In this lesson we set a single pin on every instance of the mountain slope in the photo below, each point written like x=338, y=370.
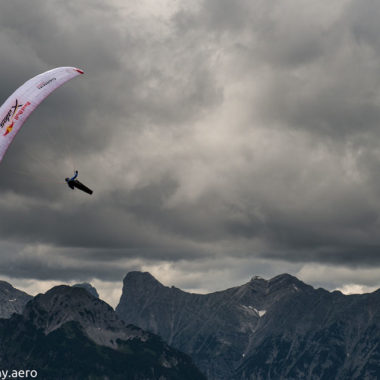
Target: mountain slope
x=68, y=333
x=265, y=329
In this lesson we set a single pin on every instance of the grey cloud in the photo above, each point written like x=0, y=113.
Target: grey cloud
x=52, y=266
x=229, y=134
x=309, y=64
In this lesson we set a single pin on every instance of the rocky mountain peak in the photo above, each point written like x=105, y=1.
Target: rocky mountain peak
x=11, y=300
x=4, y=286
x=257, y=278
x=262, y=292
x=141, y=280
x=88, y=287
x=63, y=304
x=69, y=333
x=287, y=282
x=284, y=278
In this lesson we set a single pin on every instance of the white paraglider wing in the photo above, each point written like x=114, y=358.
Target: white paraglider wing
x=26, y=99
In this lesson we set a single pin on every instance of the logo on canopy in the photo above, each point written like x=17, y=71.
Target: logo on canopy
x=12, y=116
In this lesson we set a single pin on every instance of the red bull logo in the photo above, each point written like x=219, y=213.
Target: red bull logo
x=9, y=129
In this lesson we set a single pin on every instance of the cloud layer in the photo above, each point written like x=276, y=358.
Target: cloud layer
x=221, y=141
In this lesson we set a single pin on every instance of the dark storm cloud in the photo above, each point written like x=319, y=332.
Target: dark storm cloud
x=321, y=63
x=47, y=263
x=212, y=134
x=320, y=75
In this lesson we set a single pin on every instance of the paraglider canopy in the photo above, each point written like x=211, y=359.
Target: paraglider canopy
x=18, y=107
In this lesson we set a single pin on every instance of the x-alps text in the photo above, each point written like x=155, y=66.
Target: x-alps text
x=9, y=116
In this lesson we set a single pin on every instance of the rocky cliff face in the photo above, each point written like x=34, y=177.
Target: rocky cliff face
x=265, y=329
x=68, y=333
x=11, y=300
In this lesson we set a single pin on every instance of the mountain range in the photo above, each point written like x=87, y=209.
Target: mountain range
x=280, y=328
x=69, y=334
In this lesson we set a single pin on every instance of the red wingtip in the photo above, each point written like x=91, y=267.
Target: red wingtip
x=80, y=71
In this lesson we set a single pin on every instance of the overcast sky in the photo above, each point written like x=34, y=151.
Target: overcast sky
x=223, y=139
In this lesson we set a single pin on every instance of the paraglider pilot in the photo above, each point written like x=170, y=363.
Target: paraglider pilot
x=74, y=183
